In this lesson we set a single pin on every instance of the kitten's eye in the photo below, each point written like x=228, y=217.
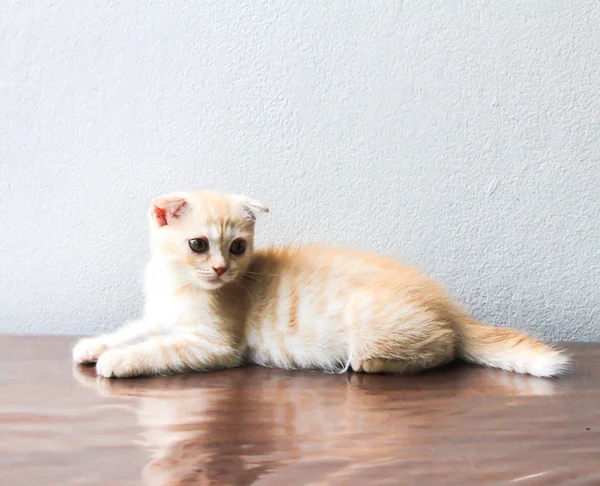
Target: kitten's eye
x=198, y=245
x=238, y=247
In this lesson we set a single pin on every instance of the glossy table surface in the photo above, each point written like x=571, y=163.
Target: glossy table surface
x=60, y=425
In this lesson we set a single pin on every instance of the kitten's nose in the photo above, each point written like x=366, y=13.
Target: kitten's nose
x=219, y=270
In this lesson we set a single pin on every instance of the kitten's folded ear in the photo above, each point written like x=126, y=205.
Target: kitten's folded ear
x=251, y=207
x=168, y=208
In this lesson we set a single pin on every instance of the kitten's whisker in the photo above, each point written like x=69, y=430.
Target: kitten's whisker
x=263, y=274
x=252, y=277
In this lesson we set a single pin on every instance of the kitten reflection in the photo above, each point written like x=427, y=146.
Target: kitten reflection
x=265, y=426
x=254, y=425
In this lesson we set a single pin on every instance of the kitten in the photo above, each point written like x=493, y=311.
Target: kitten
x=213, y=302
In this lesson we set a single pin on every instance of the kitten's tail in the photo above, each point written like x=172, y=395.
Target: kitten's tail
x=508, y=350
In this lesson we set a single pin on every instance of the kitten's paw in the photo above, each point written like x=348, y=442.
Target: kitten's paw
x=89, y=350
x=117, y=363
x=357, y=365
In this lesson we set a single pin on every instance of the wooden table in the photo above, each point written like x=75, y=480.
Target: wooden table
x=60, y=425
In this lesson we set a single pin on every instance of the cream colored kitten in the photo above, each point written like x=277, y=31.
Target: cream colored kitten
x=213, y=302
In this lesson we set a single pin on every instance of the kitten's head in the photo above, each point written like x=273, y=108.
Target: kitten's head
x=205, y=237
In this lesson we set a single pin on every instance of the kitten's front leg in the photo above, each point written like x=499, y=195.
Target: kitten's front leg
x=166, y=355
x=88, y=350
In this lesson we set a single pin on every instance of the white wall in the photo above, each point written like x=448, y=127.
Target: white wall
x=459, y=136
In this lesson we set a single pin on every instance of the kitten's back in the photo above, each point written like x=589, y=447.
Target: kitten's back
x=321, y=306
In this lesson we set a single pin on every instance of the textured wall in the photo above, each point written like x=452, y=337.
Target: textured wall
x=463, y=138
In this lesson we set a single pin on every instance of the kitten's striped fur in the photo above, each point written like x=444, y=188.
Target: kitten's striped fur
x=307, y=307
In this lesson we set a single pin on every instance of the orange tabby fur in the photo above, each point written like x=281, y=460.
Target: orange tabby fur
x=307, y=307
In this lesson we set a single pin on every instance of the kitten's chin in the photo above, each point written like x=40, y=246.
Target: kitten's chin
x=213, y=284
